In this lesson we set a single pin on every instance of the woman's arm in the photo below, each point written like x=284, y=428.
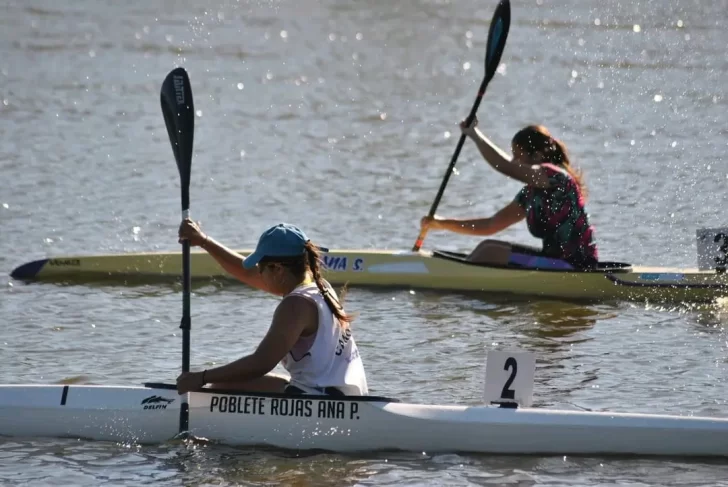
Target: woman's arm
x=504, y=218
x=294, y=316
x=229, y=260
x=232, y=263
x=524, y=171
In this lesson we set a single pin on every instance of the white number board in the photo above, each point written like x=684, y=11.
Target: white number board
x=509, y=377
x=712, y=248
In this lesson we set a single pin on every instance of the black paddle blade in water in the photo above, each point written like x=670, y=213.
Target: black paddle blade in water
x=497, y=35
x=179, y=116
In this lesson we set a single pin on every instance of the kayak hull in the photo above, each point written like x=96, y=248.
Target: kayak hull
x=412, y=270
x=150, y=415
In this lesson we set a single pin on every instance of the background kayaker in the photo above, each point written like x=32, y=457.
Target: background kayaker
x=310, y=334
x=553, y=203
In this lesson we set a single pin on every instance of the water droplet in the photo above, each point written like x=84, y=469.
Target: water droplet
x=359, y=36
x=284, y=34
x=332, y=37
x=468, y=35
x=597, y=22
x=241, y=86
x=636, y=28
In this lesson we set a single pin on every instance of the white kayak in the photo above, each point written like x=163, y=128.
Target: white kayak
x=150, y=414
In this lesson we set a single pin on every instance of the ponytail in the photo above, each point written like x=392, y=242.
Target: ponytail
x=313, y=258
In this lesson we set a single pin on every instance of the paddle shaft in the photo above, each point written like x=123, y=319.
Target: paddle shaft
x=497, y=35
x=179, y=117
x=186, y=323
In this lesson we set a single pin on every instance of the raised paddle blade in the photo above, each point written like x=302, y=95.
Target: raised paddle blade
x=179, y=115
x=497, y=35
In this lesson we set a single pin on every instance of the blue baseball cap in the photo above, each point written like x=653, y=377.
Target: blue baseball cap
x=282, y=240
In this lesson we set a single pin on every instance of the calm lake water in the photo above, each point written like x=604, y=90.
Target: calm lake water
x=341, y=117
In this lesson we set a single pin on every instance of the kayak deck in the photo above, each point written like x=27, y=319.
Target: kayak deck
x=150, y=414
x=438, y=270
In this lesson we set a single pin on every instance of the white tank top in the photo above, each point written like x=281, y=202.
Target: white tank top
x=333, y=359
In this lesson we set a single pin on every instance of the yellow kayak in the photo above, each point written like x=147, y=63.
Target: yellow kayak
x=439, y=270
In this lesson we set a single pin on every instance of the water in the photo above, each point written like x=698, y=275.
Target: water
x=341, y=117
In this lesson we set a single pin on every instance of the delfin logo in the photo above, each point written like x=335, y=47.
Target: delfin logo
x=156, y=402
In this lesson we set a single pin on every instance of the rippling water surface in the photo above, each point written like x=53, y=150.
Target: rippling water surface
x=341, y=117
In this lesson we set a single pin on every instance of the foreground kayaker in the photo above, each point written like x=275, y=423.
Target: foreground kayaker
x=553, y=203
x=310, y=334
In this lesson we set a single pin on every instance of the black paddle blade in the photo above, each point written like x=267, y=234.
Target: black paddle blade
x=179, y=116
x=497, y=34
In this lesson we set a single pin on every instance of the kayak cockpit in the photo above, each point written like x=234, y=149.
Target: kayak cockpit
x=234, y=392
x=606, y=267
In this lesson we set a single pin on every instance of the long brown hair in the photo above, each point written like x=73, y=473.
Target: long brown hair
x=537, y=138
x=311, y=261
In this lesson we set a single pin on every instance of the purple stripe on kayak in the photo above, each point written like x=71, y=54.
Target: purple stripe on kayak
x=28, y=270
x=538, y=262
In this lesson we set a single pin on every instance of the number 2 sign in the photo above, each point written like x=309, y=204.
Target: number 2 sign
x=509, y=377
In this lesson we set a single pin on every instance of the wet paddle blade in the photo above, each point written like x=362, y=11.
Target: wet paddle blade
x=179, y=116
